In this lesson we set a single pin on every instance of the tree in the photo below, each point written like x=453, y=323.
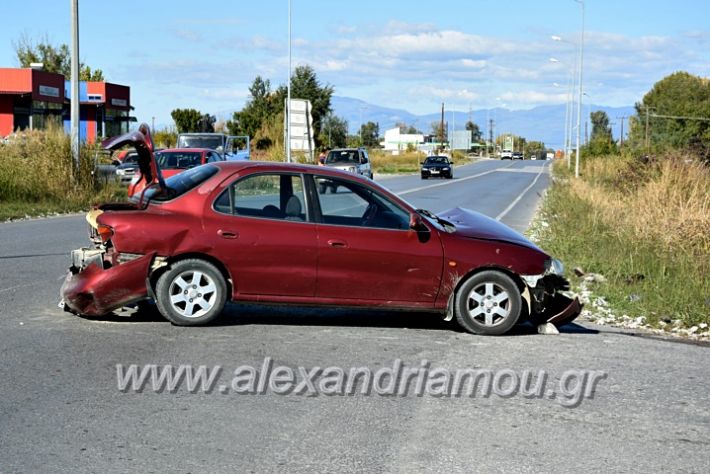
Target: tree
x=55, y=59
x=600, y=125
x=334, y=132
x=476, y=135
x=678, y=97
x=600, y=142
x=187, y=120
x=370, y=133
x=536, y=147
x=439, y=133
x=258, y=109
x=206, y=123
x=305, y=85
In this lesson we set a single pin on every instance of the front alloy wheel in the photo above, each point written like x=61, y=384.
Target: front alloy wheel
x=191, y=292
x=488, y=303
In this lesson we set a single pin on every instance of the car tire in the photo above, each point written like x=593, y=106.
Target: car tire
x=425, y=177
x=488, y=303
x=191, y=292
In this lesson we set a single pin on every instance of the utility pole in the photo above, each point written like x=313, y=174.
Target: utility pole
x=581, y=90
x=621, y=134
x=441, y=128
x=74, y=115
x=646, y=138
x=288, y=99
x=490, y=135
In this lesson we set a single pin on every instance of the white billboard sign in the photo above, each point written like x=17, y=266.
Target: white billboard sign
x=301, y=125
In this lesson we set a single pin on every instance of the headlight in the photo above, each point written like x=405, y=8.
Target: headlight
x=554, y=267
x=120, y=172
x=445, y=169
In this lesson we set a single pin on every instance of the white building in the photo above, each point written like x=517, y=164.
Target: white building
x=396, y=141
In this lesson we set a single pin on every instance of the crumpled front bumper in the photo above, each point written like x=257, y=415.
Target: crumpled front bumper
x=562, y=310
x=93, y=287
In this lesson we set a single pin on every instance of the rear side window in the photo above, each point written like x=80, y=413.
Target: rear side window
x=179, y=184
x=266, y=196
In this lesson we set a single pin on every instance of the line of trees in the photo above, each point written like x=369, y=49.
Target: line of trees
x=55, y=59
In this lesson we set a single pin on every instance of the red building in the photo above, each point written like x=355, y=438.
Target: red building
x=30, y=99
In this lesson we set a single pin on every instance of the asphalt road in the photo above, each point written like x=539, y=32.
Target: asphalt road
x=61, y=409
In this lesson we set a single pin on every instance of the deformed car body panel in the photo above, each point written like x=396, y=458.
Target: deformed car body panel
x=95, y=291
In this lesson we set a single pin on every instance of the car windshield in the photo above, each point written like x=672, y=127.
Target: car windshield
x=342, y=156
x=213, y=142
x=178, y=184
x=178, y=159
x=437, y=160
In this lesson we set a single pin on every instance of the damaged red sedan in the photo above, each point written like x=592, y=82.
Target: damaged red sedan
x=261, y=232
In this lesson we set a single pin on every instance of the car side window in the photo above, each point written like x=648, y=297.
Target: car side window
x=265, y=196
x=351, y=204
x=364, y=159
x=213, y=157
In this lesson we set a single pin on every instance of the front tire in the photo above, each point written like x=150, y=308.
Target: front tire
x=488, y=303
x=192, y=292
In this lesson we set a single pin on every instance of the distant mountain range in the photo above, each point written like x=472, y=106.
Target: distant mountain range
x=545, y=123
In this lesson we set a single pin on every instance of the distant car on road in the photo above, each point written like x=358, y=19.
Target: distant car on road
x=354, y=160
x=259, y=232
x=533, y=156
x=506, y=155
x=517, y=155
x=437, y=167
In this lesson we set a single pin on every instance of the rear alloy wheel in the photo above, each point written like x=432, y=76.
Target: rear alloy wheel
x=191, y=292
x=488, y=303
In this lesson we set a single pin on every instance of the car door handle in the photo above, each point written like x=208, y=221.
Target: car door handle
x=227, y=234
x=337, y=243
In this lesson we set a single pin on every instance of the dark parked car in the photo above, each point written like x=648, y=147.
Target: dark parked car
x=437, y=167
x=260, y=232
x=517, y=155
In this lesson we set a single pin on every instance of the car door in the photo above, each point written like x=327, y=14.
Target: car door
x=366, y=250
x=266, y=239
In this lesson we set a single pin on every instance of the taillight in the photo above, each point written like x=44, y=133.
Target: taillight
x=105, y=232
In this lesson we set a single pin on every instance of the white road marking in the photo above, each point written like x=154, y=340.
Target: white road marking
x=520, y=196
x=452, y=181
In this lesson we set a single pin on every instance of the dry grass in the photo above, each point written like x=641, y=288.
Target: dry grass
x=668, y=202
x=645, y=226
x=37, y=176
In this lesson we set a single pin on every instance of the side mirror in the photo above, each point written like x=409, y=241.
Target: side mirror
x=416, y=223
x=421, y=162
x=116, y=163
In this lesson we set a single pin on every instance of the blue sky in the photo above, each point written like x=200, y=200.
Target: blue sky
x=411, y=55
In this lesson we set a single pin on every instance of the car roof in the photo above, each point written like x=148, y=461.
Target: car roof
x=185, y=149
x=276, y=166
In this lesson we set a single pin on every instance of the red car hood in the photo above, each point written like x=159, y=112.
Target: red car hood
x=475, y=225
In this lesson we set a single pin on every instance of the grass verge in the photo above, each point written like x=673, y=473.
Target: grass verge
x=643, y=226
x=38, y=177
